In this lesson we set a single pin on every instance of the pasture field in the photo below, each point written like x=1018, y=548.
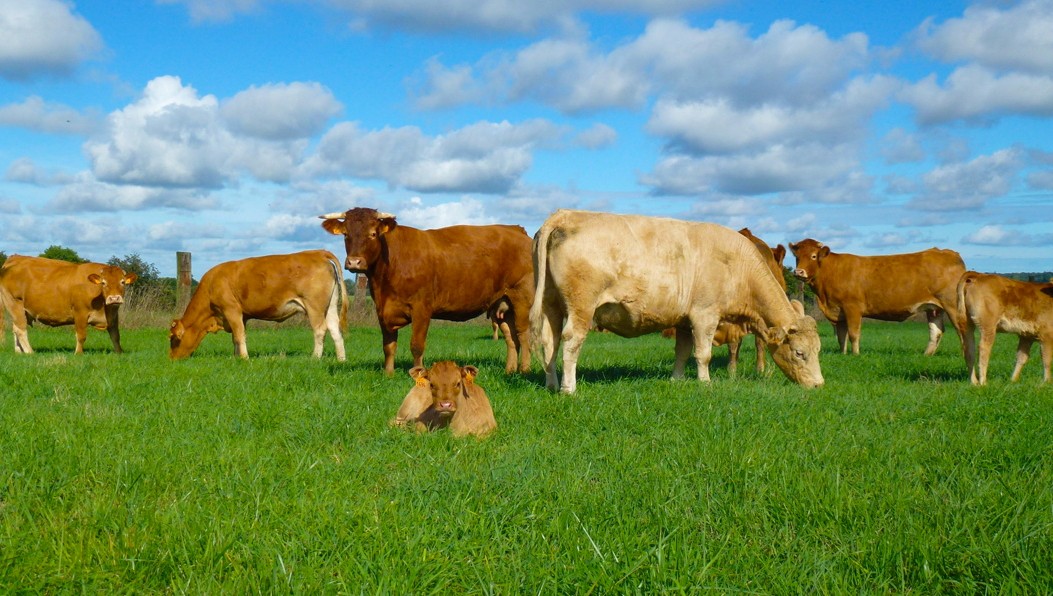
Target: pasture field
x=280, y=474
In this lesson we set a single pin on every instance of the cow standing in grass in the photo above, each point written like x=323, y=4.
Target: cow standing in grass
x=995, y=303
x=455, y=274
x=59, y=293
x=887, y=287
x=635, y=275
x=268, y=288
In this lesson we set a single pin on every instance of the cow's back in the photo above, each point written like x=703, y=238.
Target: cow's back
x=48, y=289
x=1013, y=306
x=457, y=270
x=890, y=287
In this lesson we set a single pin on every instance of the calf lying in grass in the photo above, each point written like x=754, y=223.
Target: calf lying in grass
x=446, y=395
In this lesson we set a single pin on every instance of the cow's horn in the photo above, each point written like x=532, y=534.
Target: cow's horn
x=331, y=216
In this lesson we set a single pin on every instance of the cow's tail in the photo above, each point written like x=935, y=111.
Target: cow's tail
x=967, y=278
x=338, y=277
x=540, y=256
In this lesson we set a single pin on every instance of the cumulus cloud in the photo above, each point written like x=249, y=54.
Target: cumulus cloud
x=900, y=146
x=467, y=211
x=968, y=185
x=38, y=115
x=483, y=157
x=598, y=136
x=1014, y=38
x=995, y=235
x=88, y=194
x=975, y=92
x=280, y=111
x=29, y=46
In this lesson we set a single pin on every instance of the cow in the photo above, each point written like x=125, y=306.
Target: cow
x=268, y=288
x=636, y=274
x=447, y=395
x=455, y=274
x=887, y=287
x=58, y=293
x=995, y=303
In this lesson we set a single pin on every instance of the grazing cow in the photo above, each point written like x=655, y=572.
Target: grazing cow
x=60, y=293
x=887, y=288
x=269, y=288
x=447, y=395
x=635, y=275
x=995, y=303
x=455, y=273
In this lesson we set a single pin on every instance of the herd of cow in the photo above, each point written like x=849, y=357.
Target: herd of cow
x=626, y=274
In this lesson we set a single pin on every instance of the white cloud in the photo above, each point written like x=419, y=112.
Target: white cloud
x=36, y=114
x=483, y=157
x=901, y=146
x=280, y=111
x=467, y=211
x=968, y=185
x=994, y=235
x=973, y=92
x=43, y=37
x=1017, y=38
x=86, y=193
x=598, y=136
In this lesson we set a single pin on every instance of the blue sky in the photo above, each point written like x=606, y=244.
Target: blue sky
x=224, y=127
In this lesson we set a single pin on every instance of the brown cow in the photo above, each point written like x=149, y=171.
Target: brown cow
x=455, y=273
x=995, y=303
x=60, y=293
x=447, y=395
x=269, y=288
x=888, y=288
x=634, y=275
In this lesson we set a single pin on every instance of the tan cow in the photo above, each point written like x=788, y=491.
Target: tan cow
x=635, y=274
x=995, y=303
x=58, y=293
x=888, y=288
x=447, y=395
x=269, y=288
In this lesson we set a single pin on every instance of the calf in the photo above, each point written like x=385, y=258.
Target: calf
x=59, y=293
x=995, y=303
x=446, y=395
x=269, y=288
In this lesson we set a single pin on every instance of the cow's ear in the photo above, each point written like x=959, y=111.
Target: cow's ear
x=129, y=279
x=1048, y=289
x=469, y=373
x=797, y=307
x=823, y=251
x=779, y=252
x=334, y=226
x=176, y=330
x=776, y=336
x=385, y=223
x=95, y=278
x=794, y=247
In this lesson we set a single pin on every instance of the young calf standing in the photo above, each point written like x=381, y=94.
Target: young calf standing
x=995, y=303
x=446, y=395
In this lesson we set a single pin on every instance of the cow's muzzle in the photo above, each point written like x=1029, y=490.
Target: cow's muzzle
x=115, y=300
x=800, y=274
x=355, y=264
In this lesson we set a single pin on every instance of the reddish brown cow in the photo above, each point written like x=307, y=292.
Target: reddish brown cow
x=60, y=293
x=447, y=395
x=269, y=288
x=455, y=273
x=995, y=303
x=888, y=288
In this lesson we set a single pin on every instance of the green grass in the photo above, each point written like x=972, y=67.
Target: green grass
x=132, y=473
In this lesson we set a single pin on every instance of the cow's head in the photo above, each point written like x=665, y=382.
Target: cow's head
x=184, y=339
x=810, y=254
x=112, y=281
x=795, y=348
x=448, y=383
x=362, y=229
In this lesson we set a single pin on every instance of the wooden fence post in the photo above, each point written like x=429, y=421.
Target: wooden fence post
x=183, y=278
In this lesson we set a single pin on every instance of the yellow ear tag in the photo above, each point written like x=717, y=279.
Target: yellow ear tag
x=421, y=382
x=469, y=377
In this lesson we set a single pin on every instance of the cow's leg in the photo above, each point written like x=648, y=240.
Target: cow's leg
x=841, y=330
x=237, y=333
x=419, y=338
x=574, y=332
x=987, y=338
x=80, y=328
x=551, y=320
x=113, y=326
x=1023, y=352
x=703, y=327
x=760, y=353
x=521, y=335
x=1046, y=345
x=19, y=325
x=390, y=339
x=684, y=343
x=854, y=322
x=734, y=346
x=935, y=319
x=332, y=323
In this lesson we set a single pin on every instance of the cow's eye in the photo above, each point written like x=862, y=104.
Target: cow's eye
x=813, y=257
x=800, y=354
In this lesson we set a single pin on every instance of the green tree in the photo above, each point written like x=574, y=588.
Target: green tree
x=63, y=254
x=133, y=263
x=3, y=258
